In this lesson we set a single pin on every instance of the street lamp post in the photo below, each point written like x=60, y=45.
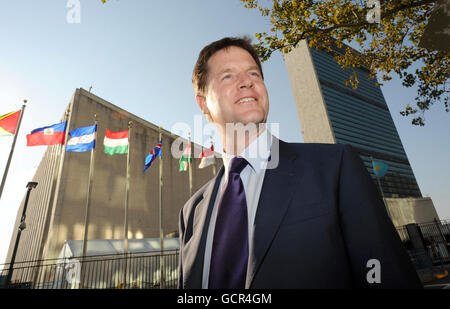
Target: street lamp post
x=31, y=185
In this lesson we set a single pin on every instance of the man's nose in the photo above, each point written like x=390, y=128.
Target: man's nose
x=245, y=81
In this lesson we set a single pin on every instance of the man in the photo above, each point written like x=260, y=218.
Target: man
x=312, y=219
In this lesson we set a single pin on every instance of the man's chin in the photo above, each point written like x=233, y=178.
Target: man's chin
x=256, y=118
x=246, y=127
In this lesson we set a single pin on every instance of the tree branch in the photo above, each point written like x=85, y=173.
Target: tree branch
x=352, y=25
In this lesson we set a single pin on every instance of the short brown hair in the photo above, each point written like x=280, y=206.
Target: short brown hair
x=200, y=74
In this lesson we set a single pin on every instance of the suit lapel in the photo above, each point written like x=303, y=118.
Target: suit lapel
x=276, y=193
x=194, y=252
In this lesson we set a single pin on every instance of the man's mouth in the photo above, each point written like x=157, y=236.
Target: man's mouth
x=245, y=100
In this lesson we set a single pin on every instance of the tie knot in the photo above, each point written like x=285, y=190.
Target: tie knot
x=237, y=165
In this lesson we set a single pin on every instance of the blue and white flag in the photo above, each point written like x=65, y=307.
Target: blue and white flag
x=82, y=139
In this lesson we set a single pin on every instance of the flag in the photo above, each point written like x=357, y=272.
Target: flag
x=207, y=157
x=82, y=139
x=51, y=135
x=155, y=152
x=185, y=158
x=116, y=142
x=379, y=168
x=8, y=123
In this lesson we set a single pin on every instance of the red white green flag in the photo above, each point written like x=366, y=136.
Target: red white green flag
x=116, y=142
x=207, y=157
x=185, y=158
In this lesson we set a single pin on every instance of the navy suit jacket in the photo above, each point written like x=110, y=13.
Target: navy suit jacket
x=319, y=221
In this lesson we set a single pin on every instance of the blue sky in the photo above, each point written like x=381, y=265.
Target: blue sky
x=139, y=55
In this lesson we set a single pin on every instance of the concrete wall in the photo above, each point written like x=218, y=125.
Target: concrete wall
x=411, y=210
x=58, y=214
x=39, y=207
x=311, y=108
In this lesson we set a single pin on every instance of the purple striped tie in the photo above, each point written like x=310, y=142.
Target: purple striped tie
x=229, y=255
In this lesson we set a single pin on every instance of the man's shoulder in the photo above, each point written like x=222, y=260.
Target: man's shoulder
x=316, y=149
x=318, y=156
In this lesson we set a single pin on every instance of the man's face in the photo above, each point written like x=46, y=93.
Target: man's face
x=235, y=92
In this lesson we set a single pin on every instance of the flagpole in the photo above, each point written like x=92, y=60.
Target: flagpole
x=12, y=148
x=58, y=167
x=161, y=233
x=127, y=189
x=189, y=166
x=381, y=190
x=88, y=201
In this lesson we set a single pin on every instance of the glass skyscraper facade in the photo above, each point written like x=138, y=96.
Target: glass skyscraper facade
x=362, y=119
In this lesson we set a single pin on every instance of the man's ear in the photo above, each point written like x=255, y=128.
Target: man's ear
x=201, y=102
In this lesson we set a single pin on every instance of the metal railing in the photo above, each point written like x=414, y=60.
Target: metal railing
x=154, y=271
x=436, y=241
x=131, y=271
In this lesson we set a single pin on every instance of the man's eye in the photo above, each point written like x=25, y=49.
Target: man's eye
x=256, y=74
x=226, y=77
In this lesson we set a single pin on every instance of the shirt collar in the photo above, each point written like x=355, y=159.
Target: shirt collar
x=257, y=153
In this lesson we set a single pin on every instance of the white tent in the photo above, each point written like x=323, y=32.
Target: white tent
x=97, y=247
x=106, y=267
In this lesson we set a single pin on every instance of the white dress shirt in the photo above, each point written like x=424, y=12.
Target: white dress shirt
x=257, y=154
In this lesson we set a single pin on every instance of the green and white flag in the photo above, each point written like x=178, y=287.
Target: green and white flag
x=185, y=158
x=116, y=142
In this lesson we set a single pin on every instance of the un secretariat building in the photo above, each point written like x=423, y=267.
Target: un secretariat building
x=57, y=206
x=330, y=112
